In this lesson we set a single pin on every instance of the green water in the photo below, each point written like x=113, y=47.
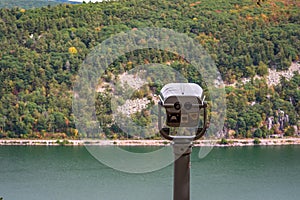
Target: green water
x=62, y=173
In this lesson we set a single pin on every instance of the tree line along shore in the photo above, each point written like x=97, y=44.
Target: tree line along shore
x=217, y=143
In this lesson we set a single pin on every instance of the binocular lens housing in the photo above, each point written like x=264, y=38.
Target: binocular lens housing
x=187, y=105
x=177, y=105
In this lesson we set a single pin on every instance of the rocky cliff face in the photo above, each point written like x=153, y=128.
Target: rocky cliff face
x=274, y=76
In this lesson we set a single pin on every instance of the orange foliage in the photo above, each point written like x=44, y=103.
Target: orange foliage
x=264, y=17
x=194, y=4
x=249, y=18
x=98, y=28
x=67, y=121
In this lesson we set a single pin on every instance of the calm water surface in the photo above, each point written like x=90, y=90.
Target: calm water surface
x=63, y=173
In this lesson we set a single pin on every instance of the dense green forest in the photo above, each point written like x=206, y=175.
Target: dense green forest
x=42, y=49
x=27, y=4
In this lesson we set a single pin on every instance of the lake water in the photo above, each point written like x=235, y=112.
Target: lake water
x=63, y=173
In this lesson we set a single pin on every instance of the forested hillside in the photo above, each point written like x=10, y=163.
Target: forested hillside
x=42, y=49
x=27, y=4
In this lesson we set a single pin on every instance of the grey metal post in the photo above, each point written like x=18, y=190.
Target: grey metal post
x=182, y=150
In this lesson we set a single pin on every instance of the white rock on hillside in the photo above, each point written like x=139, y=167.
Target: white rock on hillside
x=274, y=76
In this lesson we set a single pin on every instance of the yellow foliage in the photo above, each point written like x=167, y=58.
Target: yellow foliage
x=75, y=132
x=22, y=10
x=216, y=40
x=73, y=50
x=203, y=38
x=115, y=136
x=233, y=11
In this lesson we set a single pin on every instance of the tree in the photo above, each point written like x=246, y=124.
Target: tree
x=258, y=133
x=262, y=69
x=289, y=131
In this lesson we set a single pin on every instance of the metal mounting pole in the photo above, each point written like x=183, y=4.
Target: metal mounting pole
x=172, y=97
x=182, y=149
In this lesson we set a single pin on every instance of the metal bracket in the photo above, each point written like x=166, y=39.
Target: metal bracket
x=165, y=132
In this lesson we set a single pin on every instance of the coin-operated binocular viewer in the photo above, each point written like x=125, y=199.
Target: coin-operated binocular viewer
x=183, y=103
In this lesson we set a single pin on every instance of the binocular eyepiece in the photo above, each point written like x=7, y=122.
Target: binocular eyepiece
x=187, y=105
x=177, y=105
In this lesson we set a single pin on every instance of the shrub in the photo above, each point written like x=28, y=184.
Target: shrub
x=223, y=141
x=256, y=141
x=62, y=143
x=290, y=131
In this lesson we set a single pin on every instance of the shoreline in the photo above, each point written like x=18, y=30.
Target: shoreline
x=198, y=143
